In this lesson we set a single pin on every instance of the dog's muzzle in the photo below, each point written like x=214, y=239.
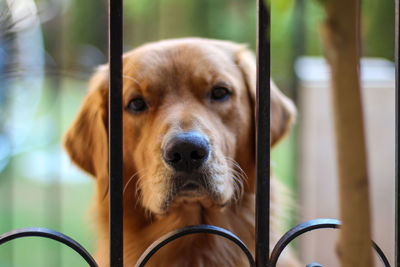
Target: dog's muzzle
x=186, y=153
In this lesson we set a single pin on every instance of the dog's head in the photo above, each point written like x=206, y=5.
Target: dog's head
x=188, y=124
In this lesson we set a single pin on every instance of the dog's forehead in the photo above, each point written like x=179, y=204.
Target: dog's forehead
x=186, y=58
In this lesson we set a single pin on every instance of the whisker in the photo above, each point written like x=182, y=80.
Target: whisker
x=130, y=179
x=238, y=184
x=238, y=176
x=137, y=192
x=131, y=79
x=235, y=164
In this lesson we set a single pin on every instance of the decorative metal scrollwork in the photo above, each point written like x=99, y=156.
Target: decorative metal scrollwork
x=196, y=229
x=309, y=226
x=276, y=252
x=51, y=234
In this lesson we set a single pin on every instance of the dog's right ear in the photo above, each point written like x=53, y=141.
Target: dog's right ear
x=283, y=110
x=86, y=141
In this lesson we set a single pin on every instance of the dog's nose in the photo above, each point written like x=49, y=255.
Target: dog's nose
x=186, y=151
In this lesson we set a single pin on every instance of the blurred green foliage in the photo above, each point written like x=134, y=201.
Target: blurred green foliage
x=150, y=20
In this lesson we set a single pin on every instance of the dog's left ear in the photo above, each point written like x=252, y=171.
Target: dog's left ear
x=86, y=141
x=283, y=111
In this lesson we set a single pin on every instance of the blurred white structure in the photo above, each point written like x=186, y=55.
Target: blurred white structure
x=317, y=162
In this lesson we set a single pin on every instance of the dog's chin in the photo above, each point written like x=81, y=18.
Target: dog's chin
x=187, y=199
x=193, y=199
x=191, y=191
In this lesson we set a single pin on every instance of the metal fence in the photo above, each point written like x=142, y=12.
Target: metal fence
x=262, y=256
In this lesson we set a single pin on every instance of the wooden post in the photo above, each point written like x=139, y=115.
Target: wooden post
x=341, y=40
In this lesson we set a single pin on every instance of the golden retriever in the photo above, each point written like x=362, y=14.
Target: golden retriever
x=189, y=150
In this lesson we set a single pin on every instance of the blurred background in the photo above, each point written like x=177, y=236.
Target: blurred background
x=49, y=49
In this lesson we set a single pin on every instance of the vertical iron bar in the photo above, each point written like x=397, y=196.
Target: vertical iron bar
x=397, y=193
x=263, y=134
x=115, y=132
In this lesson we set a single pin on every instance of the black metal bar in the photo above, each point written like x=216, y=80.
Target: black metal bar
x=115, y=133
x=47, y=233
x=310, y=226
x=263, y=134
x=397, y=193
x=195, y=229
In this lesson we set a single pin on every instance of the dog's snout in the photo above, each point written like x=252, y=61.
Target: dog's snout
x=186, y=151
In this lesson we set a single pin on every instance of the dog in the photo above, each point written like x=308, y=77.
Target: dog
x=188, y=148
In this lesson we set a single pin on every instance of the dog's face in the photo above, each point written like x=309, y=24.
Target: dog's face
x=188, y=124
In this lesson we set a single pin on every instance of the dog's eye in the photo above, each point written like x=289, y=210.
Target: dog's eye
x=137, y=104
x=220, y=93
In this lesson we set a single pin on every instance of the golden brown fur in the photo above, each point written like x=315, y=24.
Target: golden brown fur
x=175, y=78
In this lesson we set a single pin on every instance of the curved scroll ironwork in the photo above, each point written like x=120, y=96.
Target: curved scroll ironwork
x=309, y=226
x=51, y=234
x=195, y=229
